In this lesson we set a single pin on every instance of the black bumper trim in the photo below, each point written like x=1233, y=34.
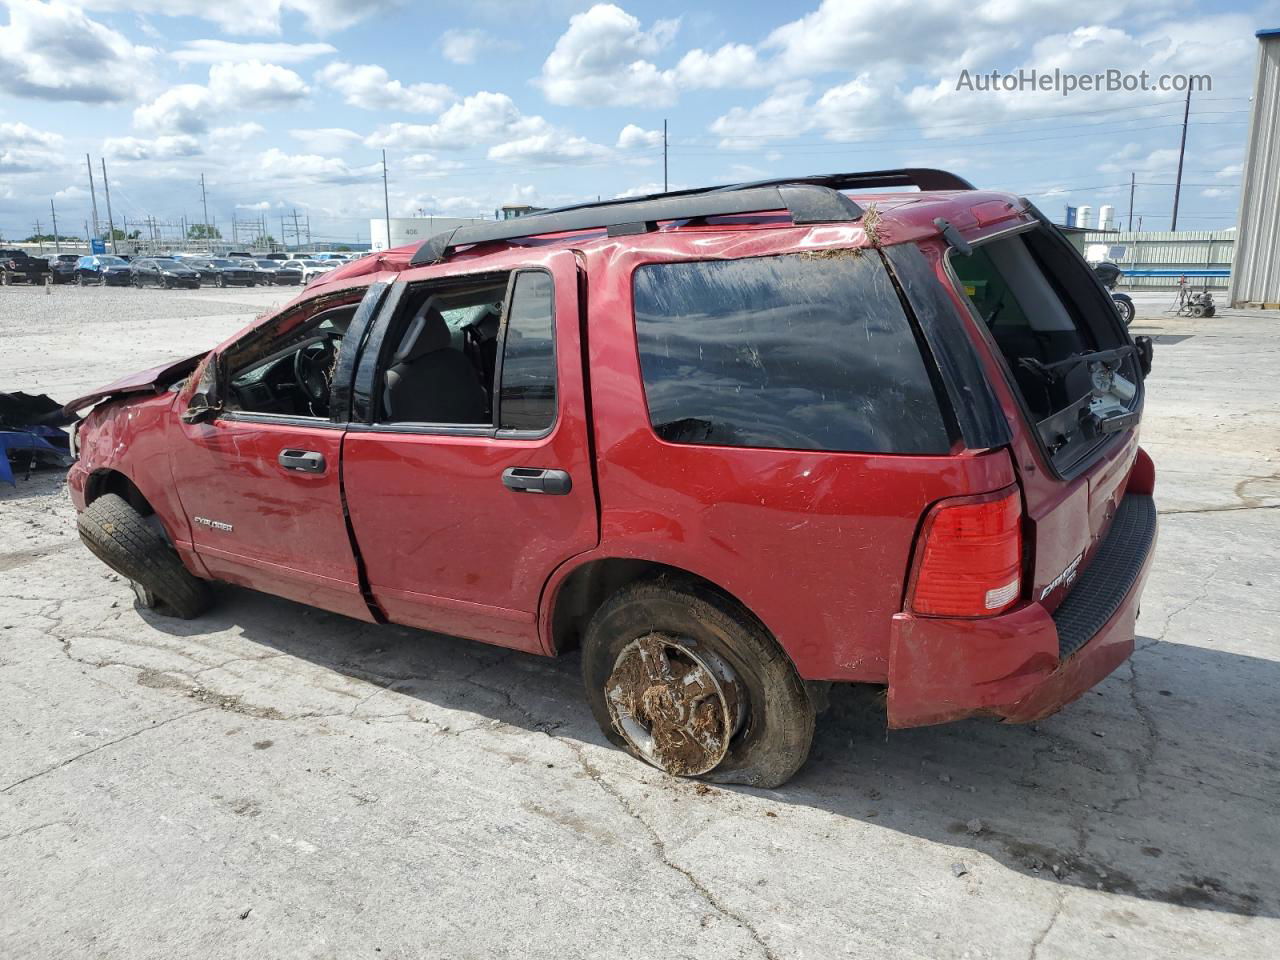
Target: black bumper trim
x=1110, y=576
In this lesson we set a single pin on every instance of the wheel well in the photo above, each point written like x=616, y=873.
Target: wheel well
x=593, y=583
x=113, y=481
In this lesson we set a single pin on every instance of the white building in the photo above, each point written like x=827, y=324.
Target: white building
x=406, y=230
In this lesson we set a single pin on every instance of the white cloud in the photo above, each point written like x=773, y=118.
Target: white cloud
x=600, y=60
x=276, y=166
x=52, y=51
x=480, y=118
x=224, y=51
x=733, y=65
x=462, y=46
x=258, y=16
x=633, y=137
x=160, y=148
x=784, y=113
x=185, y=108
x=188, y=108
x=327, y=140
x=255, y=84
x=24, y=149
x=552, y=147
x=370, y=87
x=237, y=133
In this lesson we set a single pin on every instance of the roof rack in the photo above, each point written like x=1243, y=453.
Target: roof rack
x=813, y=199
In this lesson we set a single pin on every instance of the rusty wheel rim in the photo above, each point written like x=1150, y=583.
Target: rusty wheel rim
x=676, y=706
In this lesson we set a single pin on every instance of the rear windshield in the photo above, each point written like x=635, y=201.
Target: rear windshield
x=805, y=351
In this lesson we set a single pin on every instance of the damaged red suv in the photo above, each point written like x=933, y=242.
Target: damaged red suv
x=735, y=443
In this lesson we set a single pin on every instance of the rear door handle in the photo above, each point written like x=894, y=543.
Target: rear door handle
x=304, y=461
x=537, y=480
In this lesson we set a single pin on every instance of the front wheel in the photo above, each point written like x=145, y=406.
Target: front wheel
x=125, y=541
x=1124, y=307
x=688, y=681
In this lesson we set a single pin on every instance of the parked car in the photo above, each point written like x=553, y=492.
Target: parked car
x=269, y=272
x=163, y=272
x=783, y=443
x=308, y=269
x=103, y=269
x=17, y=266
x=223, y=273
x=62, y=267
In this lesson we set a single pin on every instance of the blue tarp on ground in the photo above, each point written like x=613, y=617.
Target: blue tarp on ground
x=46, y=443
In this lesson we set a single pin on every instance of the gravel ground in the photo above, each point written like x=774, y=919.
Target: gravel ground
x=274, y=781
x=67, y=339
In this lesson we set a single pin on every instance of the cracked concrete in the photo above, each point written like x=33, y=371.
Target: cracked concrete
x=271, y=780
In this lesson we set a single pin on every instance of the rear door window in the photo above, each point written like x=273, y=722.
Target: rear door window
x=804, y=351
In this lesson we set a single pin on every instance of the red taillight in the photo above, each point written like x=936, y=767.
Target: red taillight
x=969, y=557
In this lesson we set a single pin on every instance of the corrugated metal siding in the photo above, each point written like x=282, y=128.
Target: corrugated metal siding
x=1255, y=277
x=1185, y=250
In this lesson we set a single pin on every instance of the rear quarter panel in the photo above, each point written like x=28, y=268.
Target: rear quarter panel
x=816, y=544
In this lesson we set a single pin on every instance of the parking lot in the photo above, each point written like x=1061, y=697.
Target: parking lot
x=273, y=780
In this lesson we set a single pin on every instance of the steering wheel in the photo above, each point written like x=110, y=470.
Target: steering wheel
x=313, y=369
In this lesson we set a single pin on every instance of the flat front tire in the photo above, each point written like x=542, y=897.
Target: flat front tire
x=688, y=681
x=125, y=541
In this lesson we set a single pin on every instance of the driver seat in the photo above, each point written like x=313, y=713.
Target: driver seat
x=430, y=381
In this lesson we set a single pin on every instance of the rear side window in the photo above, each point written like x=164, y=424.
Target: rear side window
x=805, y=351
x=528, y=396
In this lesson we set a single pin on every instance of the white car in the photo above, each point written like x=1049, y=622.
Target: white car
x=310, y=269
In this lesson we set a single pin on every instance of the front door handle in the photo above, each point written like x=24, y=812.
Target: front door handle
x=537, y=480
x=304, y=461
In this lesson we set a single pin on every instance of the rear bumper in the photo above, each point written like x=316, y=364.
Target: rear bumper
x=1027, y=664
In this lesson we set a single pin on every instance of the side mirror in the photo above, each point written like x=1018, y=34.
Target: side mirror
x=1146, y=349
x=205, y=403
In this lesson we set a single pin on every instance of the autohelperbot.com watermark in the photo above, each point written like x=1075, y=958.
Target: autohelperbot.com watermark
x=1029, y=79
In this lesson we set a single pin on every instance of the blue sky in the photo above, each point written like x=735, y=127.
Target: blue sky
x=286, y=104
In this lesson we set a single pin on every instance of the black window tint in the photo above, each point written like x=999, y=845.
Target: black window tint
x=810, y=351
x=527, y=400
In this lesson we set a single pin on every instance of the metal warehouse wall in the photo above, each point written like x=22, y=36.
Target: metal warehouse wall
x=1256, y=277
x=1187, y=251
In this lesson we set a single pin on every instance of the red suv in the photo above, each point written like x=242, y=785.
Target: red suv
x=736, y=443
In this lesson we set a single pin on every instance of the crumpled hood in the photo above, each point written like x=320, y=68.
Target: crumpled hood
x=145, y=381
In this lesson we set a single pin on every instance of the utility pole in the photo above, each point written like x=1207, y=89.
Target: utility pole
x=1182, y=149
x=386, y=198
x=284, y=237
x=1129, y=222
x=664, y=156
x=111, y=226
x=93, y=196
x=297, y=234
x=39, y=237
x=204, y=199
x=57, y=244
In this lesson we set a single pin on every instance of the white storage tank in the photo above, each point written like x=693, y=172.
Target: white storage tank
x=1106, y=216
x=1082, y=216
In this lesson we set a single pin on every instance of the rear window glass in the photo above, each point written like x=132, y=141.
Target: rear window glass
x=805, y=351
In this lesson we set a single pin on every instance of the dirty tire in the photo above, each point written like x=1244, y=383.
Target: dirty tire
x=121, y=538
x=774, y=739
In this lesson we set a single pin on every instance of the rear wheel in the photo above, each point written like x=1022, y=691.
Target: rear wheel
x=1124, y=306
x=688, y=681
x=137, y=549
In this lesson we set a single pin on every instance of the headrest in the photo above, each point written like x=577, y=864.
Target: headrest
x=427, y=333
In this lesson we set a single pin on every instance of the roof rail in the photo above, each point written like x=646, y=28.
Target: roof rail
x=814, y=199
x=806, y=202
